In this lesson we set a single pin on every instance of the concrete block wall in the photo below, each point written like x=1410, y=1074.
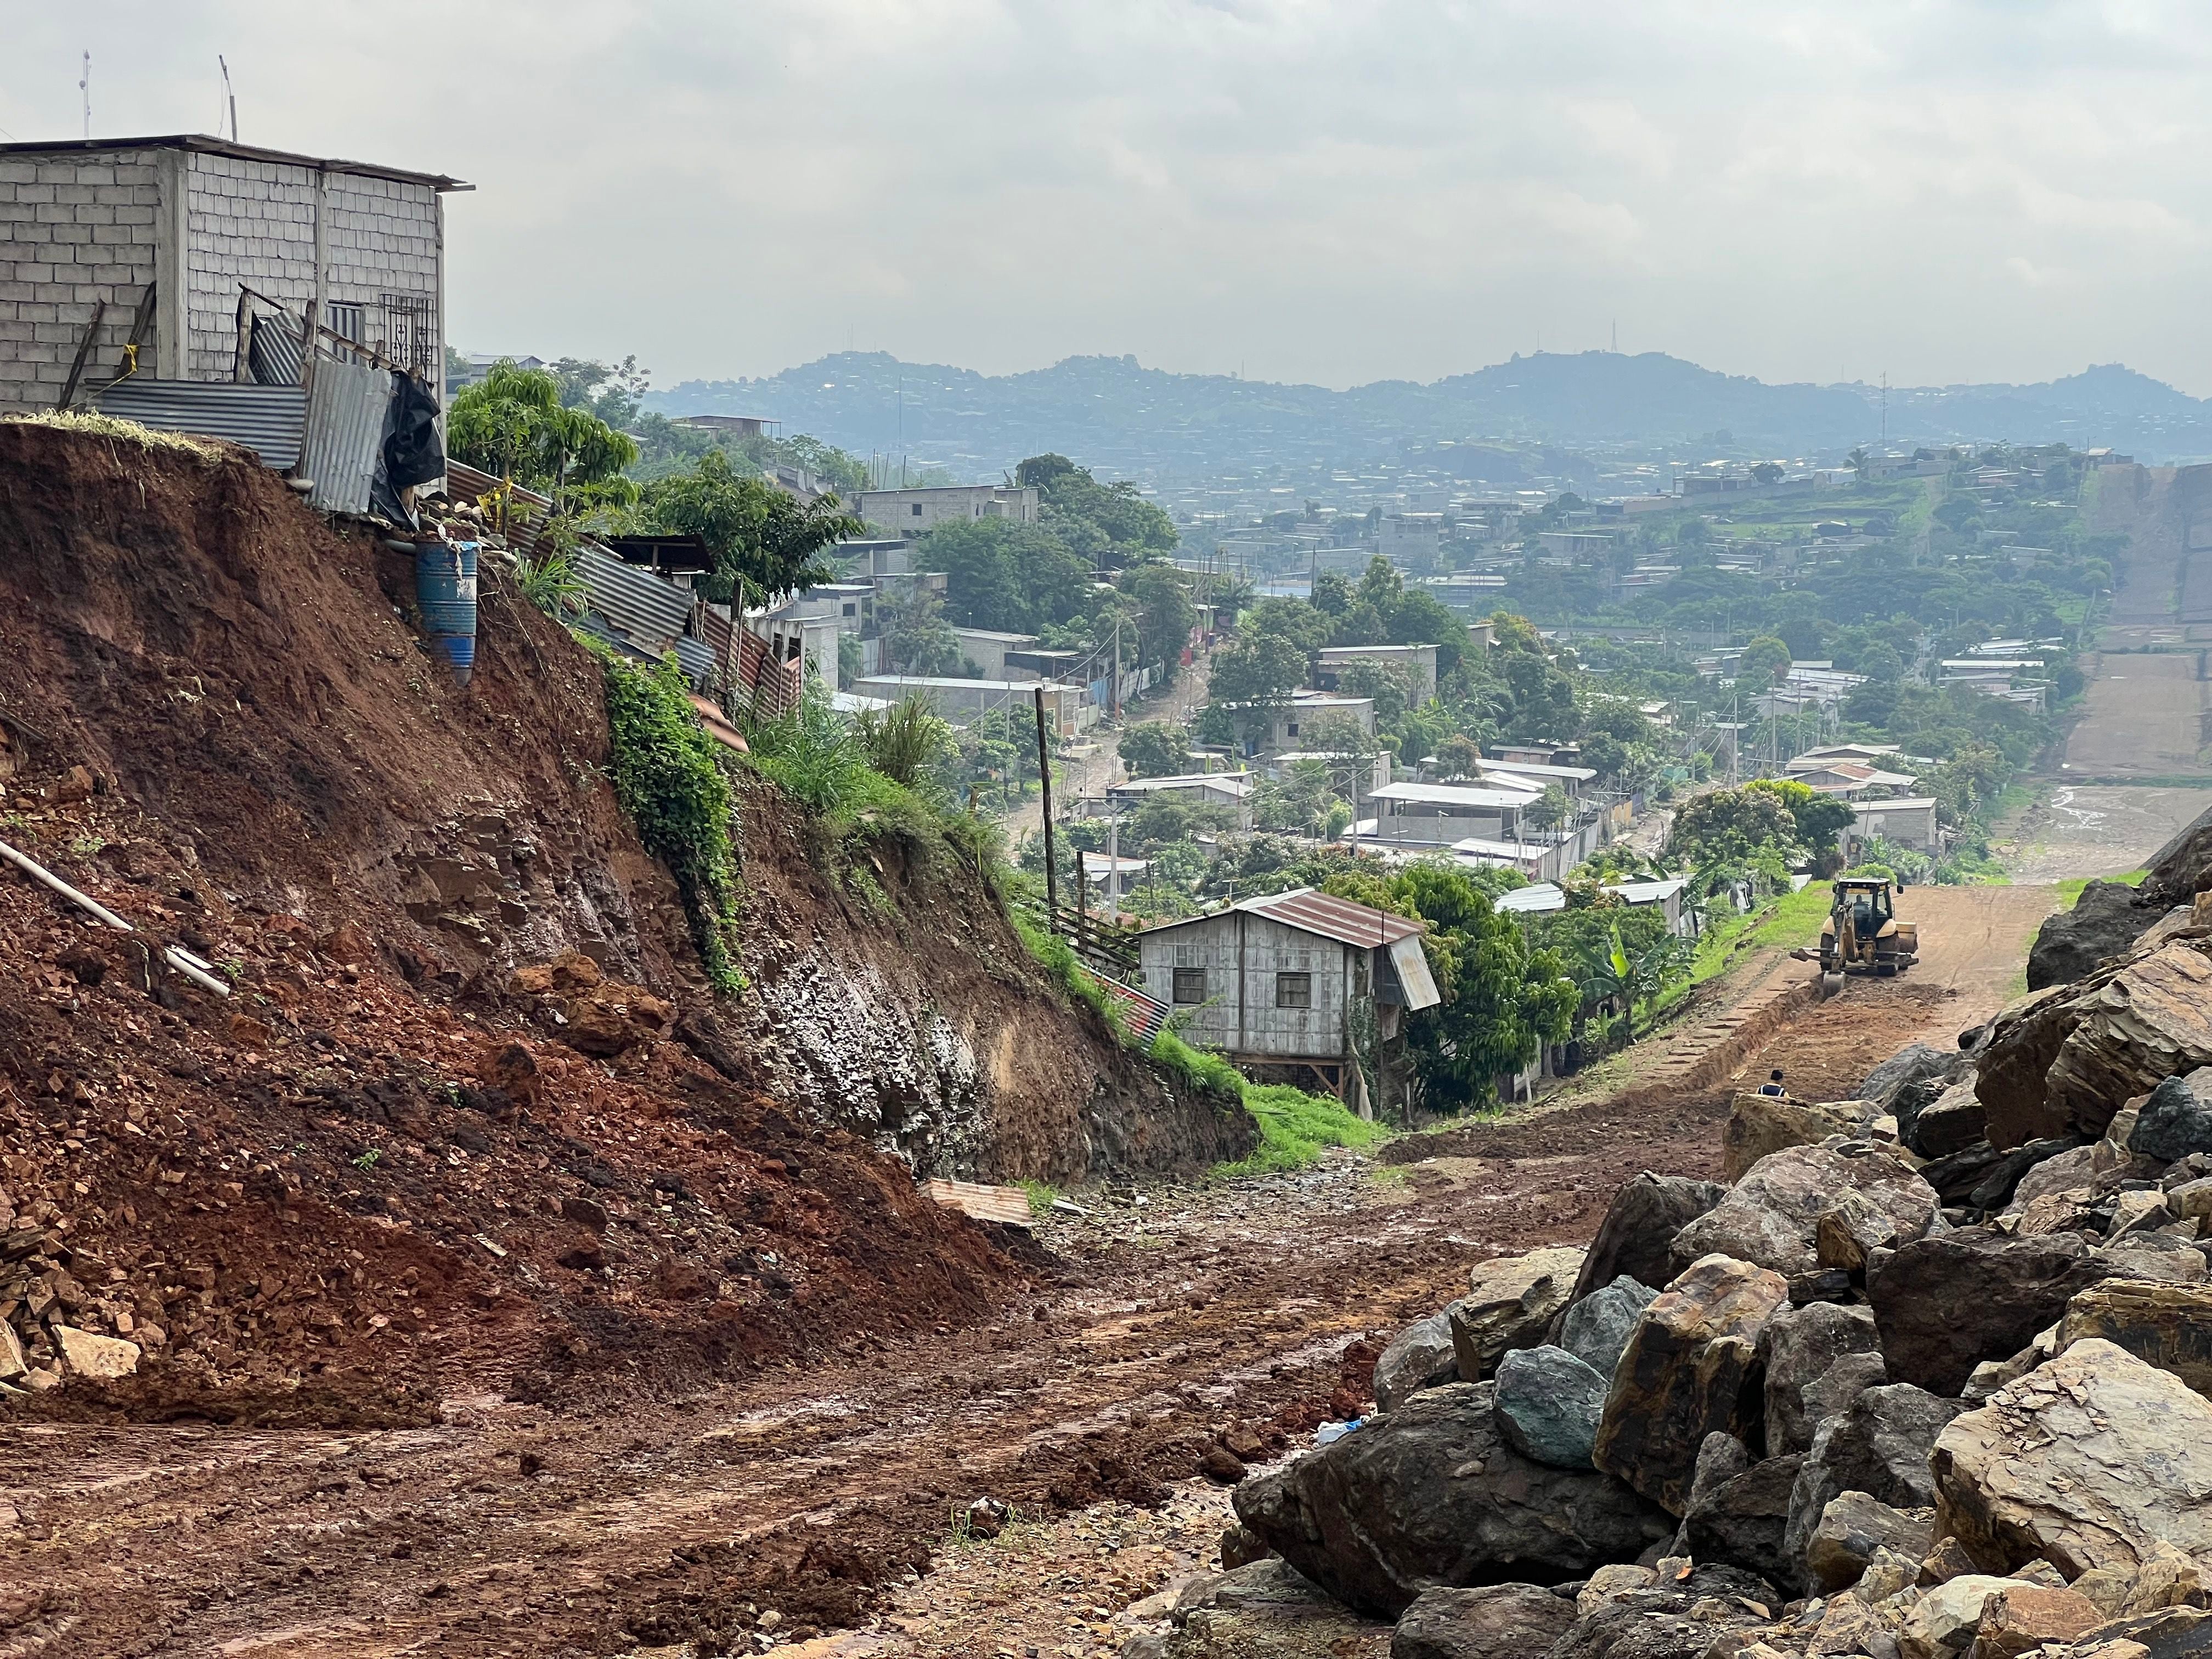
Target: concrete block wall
x=75, y=229
x=244, y=221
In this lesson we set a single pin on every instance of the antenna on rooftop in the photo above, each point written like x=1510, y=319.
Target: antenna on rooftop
x=229, y=97
x=84, y=85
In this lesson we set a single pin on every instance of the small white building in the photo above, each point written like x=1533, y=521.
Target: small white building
x=910, y=512
x=962, y=701
x=986, y=648
x=1232, y=790
x=1909, y=821
x=1440, y=814
x=1116, y=878
x=1416, y=662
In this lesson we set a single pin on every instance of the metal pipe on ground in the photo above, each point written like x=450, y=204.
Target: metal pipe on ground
x=175, y=956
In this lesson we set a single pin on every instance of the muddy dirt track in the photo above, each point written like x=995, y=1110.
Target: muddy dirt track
x=525, y=1529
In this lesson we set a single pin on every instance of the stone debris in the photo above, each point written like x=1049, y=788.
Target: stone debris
x=1510, y=1302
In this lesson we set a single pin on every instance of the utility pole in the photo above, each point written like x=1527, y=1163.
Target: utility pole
x=1114, y=694
x=1044, y=782
x=84, y=85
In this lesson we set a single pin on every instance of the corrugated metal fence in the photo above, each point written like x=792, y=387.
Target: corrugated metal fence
x=344, y=442
x=269, y=419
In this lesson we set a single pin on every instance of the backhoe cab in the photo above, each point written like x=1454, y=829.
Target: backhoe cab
x=1863, y=934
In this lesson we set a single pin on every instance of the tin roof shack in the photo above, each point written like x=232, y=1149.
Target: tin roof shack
x=157, y=238
x=1297, y=982
x=1418, y=662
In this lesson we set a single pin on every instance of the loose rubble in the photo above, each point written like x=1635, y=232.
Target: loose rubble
x=1927, y=1381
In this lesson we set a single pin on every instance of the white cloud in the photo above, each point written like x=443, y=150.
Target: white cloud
x=1334, y=190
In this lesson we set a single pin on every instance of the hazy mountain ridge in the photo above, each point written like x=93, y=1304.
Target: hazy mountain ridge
x=1113, y=411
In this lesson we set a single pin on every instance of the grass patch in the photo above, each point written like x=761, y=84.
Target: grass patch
x=1057, y=958
x=1041, y=1194
x=1295, y=1128
x=1795, y=919
x=1199, y=1068
x=122, y=431
x=2069, y=890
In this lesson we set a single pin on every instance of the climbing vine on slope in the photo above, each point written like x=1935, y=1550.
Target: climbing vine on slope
x=666, y=778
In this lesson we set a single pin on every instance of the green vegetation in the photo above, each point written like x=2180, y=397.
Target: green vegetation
x=1295, y=1128
x=668, y=779
x=1041, y=1196
x=2069, y=890
x=766, y=542
x=513, y=424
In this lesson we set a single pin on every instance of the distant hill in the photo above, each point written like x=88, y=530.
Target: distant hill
x=1112, y=413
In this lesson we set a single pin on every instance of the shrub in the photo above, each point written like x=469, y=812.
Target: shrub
x=1295, y=1128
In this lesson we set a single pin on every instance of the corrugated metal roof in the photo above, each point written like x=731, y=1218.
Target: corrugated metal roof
x=344, y=440
x=268, y=420
x=649, y=613
x=273, y=351
x=697, y=659
x=1317, y=912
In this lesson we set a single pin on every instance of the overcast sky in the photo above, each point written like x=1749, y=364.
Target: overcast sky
x=1334, y=191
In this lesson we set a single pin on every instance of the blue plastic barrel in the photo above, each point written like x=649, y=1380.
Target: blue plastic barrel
x=446, y=592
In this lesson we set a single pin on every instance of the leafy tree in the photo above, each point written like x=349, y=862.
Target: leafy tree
x=1817, y=817
x=1109, y=524
x=766, y=542
x=916, y=636
x=1259, y=667
x=1765, y=661
x=1154, y=748
x=1500, y=997
x=1164, y=615
x=1331, y=594
x=1766, y=472
x=1016, y=578
x=1731, y=827
x=1461, y=755
x=1336, y=733
x=513, y=423
x=1549, y=810
x=613, y=393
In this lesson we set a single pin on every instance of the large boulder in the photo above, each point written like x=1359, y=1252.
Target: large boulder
x=2064, y=1064
x=2168, y=1326
x=2021, y=1618
x=1760, y=1124
x=1548, y=1406
x=1431, y=1495
x=1998, y=1183
x=1915, y=1063
x=1744, y=1520
x=2063, y=1172
x=2087, y=1461
x=1511, y=1303
x=1949, y=1123
x=2105, y=922
x=1832, y=1392
x=1797, y=1347
x=1490, y=1621
x=1851, y=1529
x=1943, y=1305
x=1942, y=1623
x=1639, y=1226
x=1596, y=1328
x=2176, y=1119
x=1772, y=1218
x=1419, y=1357
x=1691, y=1369
x=1878, y=1447
x=2184, y=865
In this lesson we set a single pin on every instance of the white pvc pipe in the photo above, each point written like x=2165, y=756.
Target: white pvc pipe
x=174, y=956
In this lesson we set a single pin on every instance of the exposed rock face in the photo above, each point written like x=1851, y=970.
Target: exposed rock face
x=1633, y=1238
x=1690, y=1371
x=1596, y=1328
x=1510, y=1302
x=1493, y=1621
x=1760, y=1124
x=2087, y=1461
x=1743, y=1520
x=1419, y=1357
x=1851, y=1528
x=1944, y=1305
x=2022, y=1617
x=2105, y=922
x=1832, y=1392
x=1797, y=1347
x=1942, y=1623
x=1878, y=1447
x=2168, y=1326
x=1548, y=1406
x=2176, y=1119
x=2063, y=1172
x=1771, y=1217
x=2064, y=1064
x=2184, y=864
x=1431, y=1495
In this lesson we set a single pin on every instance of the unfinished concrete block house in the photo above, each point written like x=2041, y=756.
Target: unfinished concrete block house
x=182, y=244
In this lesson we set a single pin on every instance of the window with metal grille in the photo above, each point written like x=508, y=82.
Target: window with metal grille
x=1190, y=985
x=410, y=328
x=1294, y=990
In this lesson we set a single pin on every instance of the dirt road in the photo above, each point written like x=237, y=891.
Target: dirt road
x=2095, y=829
x=1090, y=774
x=521, y=1529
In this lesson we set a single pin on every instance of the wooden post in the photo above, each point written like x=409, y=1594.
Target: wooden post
x=1044, y=782
x=84, y=352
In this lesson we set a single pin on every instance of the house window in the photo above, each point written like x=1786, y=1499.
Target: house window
x=1190, y=985
x=345, y=321
x=1294, y=990
x=915, y=510
x=851, y=609
x=1291, y=729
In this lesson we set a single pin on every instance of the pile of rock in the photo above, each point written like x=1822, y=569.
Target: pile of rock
x=52, y=1326
x=1923, y=1383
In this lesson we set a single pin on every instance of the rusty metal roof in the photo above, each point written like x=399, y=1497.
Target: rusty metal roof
x=1337, y=919
x=1314, y=912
